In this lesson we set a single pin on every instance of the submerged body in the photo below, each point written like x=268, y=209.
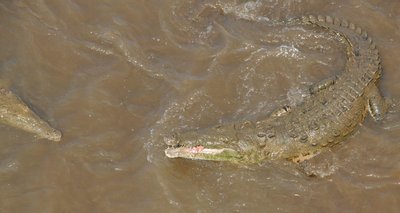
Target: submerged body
x=14, y=112
x=331, y=113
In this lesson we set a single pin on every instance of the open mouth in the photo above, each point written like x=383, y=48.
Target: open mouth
x=181, y=151
x=178, y=150
x=199, y=152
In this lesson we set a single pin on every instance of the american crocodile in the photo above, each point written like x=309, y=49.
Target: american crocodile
x=14, y=112
x=335, y=107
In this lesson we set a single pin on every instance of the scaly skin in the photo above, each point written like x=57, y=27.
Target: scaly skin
x=332, y=112
x=14, y=112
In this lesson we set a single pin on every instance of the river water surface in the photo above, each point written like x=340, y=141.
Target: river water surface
x=117, y=76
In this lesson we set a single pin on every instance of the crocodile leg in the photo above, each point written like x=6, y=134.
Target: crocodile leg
x=377, y=105
x=322, y=85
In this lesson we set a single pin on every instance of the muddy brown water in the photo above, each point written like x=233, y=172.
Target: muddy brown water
x=117, y=76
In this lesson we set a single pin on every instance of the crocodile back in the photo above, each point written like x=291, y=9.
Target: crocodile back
x=329, y=116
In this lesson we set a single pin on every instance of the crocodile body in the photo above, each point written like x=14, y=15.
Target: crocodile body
x=330, y=114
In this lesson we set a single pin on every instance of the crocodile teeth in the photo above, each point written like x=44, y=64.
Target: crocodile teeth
x=321, y=18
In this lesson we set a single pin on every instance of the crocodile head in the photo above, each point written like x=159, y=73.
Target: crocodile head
x=221, y=143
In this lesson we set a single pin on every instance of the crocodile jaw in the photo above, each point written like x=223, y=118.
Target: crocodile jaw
x=202, y=153
x=220, y=143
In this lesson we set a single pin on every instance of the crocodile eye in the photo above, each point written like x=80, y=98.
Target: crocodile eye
x=172, y=140
x=287, y=108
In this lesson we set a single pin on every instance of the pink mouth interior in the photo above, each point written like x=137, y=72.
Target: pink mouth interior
x=196, y=149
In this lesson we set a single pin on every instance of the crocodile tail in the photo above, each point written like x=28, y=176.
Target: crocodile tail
x=361, y=50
